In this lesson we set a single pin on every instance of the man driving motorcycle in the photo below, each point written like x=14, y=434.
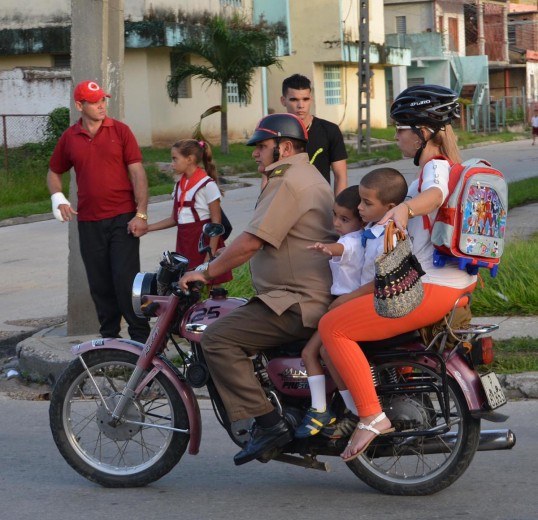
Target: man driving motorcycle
x=293, y=211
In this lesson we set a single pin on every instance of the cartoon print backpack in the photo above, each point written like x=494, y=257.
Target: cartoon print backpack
x=470, y=225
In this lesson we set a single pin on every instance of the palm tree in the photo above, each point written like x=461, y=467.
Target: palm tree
x=233, y=49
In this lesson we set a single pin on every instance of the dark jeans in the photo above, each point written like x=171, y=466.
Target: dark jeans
x=111, y=257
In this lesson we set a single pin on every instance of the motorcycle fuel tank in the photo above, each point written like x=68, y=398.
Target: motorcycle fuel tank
x=201, y=315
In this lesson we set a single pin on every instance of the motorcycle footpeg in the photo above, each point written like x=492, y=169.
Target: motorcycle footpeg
x=308, y=462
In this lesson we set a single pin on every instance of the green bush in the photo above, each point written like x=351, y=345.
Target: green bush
x=57, y=124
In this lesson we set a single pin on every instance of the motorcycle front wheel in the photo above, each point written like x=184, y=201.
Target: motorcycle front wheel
x=418, y=464
x=133, y=452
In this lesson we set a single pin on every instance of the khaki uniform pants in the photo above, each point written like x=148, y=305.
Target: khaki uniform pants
x=228, y=343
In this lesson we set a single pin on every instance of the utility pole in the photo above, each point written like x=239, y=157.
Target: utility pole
x=97, y=52
x=364, y=76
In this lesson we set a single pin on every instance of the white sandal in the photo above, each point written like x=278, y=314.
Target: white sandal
x=370, y=428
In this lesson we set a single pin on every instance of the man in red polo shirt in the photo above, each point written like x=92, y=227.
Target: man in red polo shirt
x=112, y=206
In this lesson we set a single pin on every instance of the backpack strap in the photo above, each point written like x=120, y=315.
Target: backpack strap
x=190, y=203
x=425, y=219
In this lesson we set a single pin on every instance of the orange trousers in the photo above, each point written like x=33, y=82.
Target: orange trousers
x=357, y=320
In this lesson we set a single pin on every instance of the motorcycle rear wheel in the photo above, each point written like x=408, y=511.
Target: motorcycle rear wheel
x=126, y=454
x=418, y=465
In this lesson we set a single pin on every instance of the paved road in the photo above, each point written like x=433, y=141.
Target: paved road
x=36, y=483
x=33, y=257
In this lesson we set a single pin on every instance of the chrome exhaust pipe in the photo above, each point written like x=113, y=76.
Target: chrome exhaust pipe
x=504, y=439
x=496, y=440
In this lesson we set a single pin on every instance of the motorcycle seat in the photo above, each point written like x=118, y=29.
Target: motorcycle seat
x=396, y=341
x=294, y=348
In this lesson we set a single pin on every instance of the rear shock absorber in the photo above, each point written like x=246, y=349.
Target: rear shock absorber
x=375, y=375
x=375, y=378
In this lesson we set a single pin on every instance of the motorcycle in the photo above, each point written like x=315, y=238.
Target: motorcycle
x=123, y=414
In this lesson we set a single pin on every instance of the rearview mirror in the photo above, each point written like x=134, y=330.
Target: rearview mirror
x=212, y=229
x=209, y=230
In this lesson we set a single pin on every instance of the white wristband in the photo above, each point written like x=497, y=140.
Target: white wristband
x=57, y=199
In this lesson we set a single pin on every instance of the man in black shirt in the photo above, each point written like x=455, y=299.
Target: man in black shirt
x=325, y=145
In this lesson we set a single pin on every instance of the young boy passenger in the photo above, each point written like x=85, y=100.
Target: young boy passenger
x=379, y=190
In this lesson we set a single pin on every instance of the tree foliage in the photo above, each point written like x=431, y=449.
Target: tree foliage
x=57, y=123
x=229, y=51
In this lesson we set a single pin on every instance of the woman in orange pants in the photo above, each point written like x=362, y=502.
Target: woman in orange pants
x=423, y=115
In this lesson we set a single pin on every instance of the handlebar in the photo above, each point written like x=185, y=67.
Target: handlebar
x=192, y=287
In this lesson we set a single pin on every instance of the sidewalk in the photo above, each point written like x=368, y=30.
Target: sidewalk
x=44, y=350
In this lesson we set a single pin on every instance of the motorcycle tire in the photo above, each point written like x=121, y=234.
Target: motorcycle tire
x=131, y=453
x=418, y=465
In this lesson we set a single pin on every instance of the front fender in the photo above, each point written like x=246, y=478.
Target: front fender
x=165, y=367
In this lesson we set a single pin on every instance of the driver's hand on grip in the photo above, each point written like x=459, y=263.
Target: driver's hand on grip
x=191, y=276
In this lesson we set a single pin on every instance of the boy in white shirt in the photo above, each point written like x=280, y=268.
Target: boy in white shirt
x=346, y=264
x=379, y=190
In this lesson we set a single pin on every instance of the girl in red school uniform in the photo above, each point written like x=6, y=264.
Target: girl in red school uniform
x=196, y=202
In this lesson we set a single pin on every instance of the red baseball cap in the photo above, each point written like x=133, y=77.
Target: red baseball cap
x=89, y=91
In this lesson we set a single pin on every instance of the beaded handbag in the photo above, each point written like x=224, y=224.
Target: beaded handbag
x=398, y=289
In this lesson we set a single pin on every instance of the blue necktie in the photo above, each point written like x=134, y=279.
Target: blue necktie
x=366, y=234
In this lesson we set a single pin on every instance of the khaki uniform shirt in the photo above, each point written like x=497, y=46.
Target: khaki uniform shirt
x=293, y=211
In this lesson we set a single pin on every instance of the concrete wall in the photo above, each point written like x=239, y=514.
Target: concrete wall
x=40, y=13
x=532, y=81
x=15, y=14
x=33, y=91
x=159, y=121
x=419, y=15
x=135, y=9
x=148, y=110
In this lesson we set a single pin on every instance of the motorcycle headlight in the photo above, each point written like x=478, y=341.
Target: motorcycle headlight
x=144, y=283
x=171, y=269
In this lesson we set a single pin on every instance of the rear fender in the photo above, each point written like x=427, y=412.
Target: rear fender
x=469, y=382
x=162, y=365
x=457, y=368
x=467, y=378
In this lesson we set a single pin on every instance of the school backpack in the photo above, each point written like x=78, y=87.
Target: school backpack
x=469, y=226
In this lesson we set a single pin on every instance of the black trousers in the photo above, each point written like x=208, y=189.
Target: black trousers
x=111, y=257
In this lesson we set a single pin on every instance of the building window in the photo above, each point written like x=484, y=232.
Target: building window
x=184, y=88
x=61, y=61
x=511, y=32
x=413, y=82
x=233, y=94
x=401, y=25
x=332, y=84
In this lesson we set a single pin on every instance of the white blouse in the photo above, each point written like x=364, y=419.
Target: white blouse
x=209, y=193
